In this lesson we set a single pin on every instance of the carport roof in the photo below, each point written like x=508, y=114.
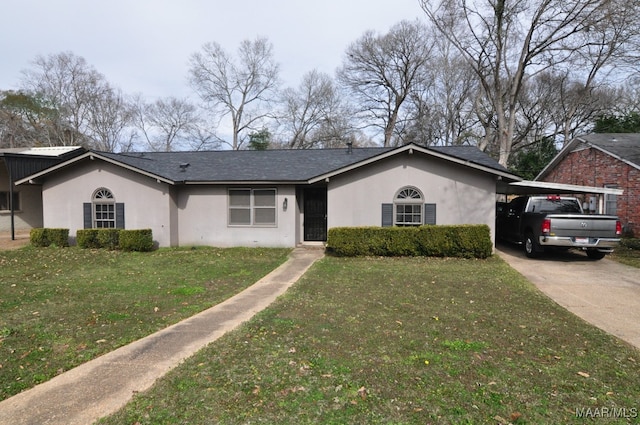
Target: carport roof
x=526, y=187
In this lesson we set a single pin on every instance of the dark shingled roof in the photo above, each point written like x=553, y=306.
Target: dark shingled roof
x=622, y=145
x=271, y=165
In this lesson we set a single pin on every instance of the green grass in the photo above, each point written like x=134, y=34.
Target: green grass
x=401, y=341
x=626, y=255
x=62, y=307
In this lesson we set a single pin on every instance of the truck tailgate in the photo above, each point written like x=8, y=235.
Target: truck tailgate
x=603, y=226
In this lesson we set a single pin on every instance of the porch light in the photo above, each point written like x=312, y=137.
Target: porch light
x=285, y=204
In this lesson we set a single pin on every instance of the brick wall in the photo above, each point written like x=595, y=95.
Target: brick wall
x=591, y=167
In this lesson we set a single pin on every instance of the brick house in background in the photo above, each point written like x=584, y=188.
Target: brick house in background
x=603, y=160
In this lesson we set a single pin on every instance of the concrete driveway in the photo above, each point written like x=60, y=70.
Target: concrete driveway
x=603, y=293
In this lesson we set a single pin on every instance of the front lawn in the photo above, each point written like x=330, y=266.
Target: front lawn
x=62, y=307
x=403, y=341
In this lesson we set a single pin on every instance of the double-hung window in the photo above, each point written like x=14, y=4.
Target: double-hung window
x=252, y=207
x=408, y=209
x=103, y=212
x=408, y=206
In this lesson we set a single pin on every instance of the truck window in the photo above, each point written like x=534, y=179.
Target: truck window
x=567, y=206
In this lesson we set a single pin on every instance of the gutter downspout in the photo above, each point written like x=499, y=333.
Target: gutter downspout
x=11, y=206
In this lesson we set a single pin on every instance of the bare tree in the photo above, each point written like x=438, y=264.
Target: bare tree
x=68, y=85
x=506, y=42
x=309, y=111
x=380, y=71
x=239, y=89
x=168, y=124
x=442, y=106
x=110, y=123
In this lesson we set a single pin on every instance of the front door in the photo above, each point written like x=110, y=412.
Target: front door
x=315, y=214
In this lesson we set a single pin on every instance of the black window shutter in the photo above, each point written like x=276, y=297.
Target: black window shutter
x=429, y=213
x=119, y=215
x=387, y=215
x=86, y=215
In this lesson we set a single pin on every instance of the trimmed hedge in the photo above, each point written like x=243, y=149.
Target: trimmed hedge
x=136, y=240
x=98, y=238
x=126, y=240
x=43, y=237
x=467, y=241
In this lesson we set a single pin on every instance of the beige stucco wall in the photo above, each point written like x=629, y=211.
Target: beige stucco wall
x=148, y=203
x=202, y=212
x=177, y=215
x=462, y=195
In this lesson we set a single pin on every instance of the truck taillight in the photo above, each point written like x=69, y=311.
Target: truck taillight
x=618, y=227
x=546, y=226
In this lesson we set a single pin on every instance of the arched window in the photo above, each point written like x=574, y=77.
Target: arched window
x=104, y=209
x=407, y=206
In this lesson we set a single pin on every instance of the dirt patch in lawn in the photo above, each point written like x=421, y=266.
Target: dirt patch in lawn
x=21, y=238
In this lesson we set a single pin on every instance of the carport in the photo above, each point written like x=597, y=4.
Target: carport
x=595, y=202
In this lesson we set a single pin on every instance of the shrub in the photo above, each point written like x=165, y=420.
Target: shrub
x=37, y=237
x=136, y=240
x=98, y=238
x=126, y=240
x=631, y=243
x=87, y=238
x=469, y=241
x=43, y=237
x=109, y=238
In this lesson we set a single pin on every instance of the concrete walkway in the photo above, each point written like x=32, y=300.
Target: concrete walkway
x=102, y=386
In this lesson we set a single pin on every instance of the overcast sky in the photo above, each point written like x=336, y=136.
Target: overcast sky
x=143, y=46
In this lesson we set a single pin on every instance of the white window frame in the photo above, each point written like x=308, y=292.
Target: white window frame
x=412, y=197
x=256, y=207
x=103, y=211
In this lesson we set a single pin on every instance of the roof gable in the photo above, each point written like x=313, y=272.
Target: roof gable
x=624, y=147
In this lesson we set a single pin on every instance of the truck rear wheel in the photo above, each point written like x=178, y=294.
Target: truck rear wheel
x=594, y=254
x=530, y=245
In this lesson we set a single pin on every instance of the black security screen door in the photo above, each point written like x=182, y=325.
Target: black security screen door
x=315, y=214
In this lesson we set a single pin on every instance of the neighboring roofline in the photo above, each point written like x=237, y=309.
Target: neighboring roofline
x=541, y=187
x=410, y=148
x=91, y=155
x=572, y=145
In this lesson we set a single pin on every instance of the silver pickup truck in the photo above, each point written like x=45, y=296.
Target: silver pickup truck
x=539, y=222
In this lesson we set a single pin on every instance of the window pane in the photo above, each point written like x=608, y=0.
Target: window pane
x=239, y=216
x=104, y=216
x=240, y=197
x=408, y=214
x=265, y=216
x=264, y=198
x=4, y=201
